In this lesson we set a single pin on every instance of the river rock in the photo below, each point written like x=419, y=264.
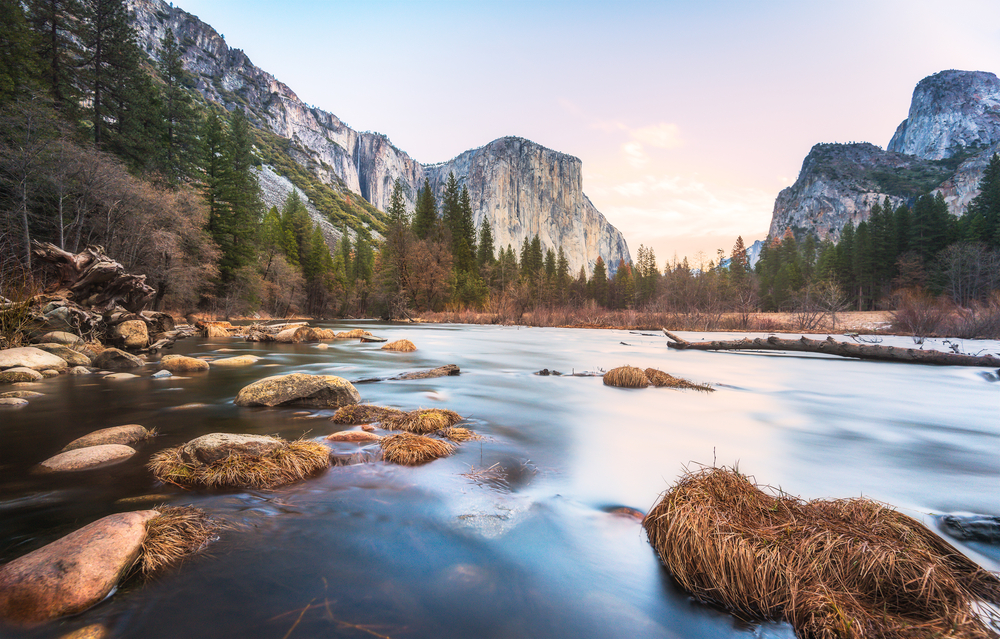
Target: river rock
x=59, y=337
x=161, y=374
x=182, y=364
x=13, y=401
x=120, y=376
x=440, y=371
x=59, y=319
x=31, y=357
x=23, y=394
x=72, y=573
x=296, y=334
x=299, y=389
x=128, y=434
x=134, y=333
x=48, y=373
x=71, y=356
x=19, y=374
x=215, y=446
x=115, y=359
x=79, y=370
x=86, y=458
x=353, y=436
x=241, y=360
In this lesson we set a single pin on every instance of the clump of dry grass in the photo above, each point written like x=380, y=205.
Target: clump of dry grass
x=458, y=434
x=626, y=377
x=422, y=421
x=401, y=345
x=289, y=463
x=177, y=532
x=660, y=379
x=364, y=414
x=412, y=450
x=848, y=568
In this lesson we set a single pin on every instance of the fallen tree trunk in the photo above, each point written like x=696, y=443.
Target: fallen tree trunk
x=830, y=346
x=94, y=279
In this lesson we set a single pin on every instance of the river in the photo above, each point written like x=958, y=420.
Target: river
x=441, y=550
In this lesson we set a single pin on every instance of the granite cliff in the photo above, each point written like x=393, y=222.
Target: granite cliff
x=951, y=131
x=518, y=187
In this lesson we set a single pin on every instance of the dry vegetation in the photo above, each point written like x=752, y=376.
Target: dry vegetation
x=401, y=345
x=412, y=450
x=422, y=421
x=458, y=434
x=176, y=533
x=293, y=462
x=626, y=377
x=848, y=568
x=664, y=380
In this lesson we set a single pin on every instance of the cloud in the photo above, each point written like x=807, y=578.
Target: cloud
x=635, y=155
x=662, y=136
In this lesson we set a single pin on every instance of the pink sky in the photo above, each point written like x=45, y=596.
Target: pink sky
x=689, y=117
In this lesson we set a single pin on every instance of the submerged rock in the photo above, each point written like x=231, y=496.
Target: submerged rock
x=13, y=401
x=120, y=376
x=241, y=360
x=182, y=364
x=115, y=359
x=73, y=573
x=22, y=394
x=440, y=371
x=79, y=370
x=128, y=434
x=299, y=389
x=30, y=357
x=982, y=528
x=353, y=436
x=86, y=458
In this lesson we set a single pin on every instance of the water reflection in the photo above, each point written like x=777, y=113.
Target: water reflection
x=439, y=551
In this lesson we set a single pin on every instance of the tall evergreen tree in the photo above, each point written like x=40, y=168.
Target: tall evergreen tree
x=982, y=223
x=236, y=232
x=485, y=251
x=180, y=122
x=59, y=25
x=425, y=214
x=598, y=285
x=19, y=66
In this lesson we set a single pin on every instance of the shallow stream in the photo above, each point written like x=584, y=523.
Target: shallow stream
x=527, y=549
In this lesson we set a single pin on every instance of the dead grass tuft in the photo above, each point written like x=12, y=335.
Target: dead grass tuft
x=458, y=434
x=293, y=462
x=660, y=379
x=356, y=333
x=412, y=450
x=626, y=377
x=849, y=568
x=364, y=414
x=177, y=532
x=422, y=421
x=401, y=345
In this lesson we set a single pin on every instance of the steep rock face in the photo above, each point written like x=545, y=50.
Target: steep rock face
x=944, y=145
x=518, y=187
x=951, y=113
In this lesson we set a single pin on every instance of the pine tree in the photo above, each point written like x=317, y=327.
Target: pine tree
x=598, y=284
x=397, y=205
x=983, y=217
x=59, y=25
x=110, y=41
x=425, y=214
x=451, y=211
x=237, y=233
x=485, y=251
x=180, y=121
x=19, y=66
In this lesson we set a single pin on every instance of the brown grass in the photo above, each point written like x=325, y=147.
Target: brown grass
x=626, y=377
x=458, y=434
x=664, y=380
x=401, y=345
x=292, y=462
x=412, y=450
x=849, y=568
x=177, y=532
x=364, y=414
x=422, y=421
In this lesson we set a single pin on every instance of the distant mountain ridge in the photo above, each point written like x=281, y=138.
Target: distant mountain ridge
x=517, y=186
x=944, y=145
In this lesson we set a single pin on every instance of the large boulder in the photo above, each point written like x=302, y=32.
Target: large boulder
x=215, y=446
x=133, y=333
x=19, y=374
x=59, y=337
x=31, y=357
x=299, y=389
x=115, y=359
x=86, y=458
x=182, y=364
x=71, y=356
x=128, y=434
x=295, y=335
x=72, y=573
x=239, y=360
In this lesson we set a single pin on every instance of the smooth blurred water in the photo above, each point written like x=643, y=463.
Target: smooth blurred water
x=431, y=552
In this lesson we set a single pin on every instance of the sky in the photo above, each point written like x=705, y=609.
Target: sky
x=689, y=117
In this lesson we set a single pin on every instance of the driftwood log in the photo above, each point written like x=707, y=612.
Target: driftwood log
x=830, y=346
x=93, y=279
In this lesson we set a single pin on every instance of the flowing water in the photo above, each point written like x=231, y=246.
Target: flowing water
x=529, y=549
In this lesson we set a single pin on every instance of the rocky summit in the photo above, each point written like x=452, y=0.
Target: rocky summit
x=944, y=145
x=516, y=186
